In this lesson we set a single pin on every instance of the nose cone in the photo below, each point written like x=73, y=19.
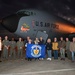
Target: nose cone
x=10, y=22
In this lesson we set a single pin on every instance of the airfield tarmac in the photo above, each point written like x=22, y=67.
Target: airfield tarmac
x=36, y=67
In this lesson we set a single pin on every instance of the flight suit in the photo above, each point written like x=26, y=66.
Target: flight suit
x=5, y=48
x=12, y=49
x=20, y=46
x=68, y=49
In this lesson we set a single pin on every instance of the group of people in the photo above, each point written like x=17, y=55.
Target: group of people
x=56, y=47
x=8, y=48
x=62, y=47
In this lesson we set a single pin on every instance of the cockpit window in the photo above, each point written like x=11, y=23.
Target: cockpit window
x=26, y=12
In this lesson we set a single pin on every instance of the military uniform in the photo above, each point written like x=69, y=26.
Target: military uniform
x=20, y=45
x=12, y=49
x=5, y=48
x=68, y=49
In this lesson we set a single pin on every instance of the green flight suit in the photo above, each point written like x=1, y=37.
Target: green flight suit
x=20, y=46
x=12, y=49
x=68, y=50
x=5, y=48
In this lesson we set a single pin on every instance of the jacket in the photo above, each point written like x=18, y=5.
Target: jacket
x=48, y=46
x=55, y=46
x=72, y=46
x=62, y=44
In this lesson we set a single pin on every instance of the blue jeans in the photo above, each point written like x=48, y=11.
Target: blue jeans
x=55, y=54
x=49, y=52
x=73, y=55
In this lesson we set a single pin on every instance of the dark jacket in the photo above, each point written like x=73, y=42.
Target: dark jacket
x=62, y=44
x=41, y=42
x=48, y=46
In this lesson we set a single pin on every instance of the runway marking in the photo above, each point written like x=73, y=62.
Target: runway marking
x=38, y=72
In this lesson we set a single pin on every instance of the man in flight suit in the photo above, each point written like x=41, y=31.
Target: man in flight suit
x=5, y=47
x=12, y=48
x=20, y=45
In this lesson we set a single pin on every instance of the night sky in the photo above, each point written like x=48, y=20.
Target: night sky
x=63, y=8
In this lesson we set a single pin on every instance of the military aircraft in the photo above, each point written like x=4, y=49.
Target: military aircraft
x=36, y=23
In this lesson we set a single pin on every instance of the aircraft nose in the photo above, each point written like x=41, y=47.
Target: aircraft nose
x=10, y=22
